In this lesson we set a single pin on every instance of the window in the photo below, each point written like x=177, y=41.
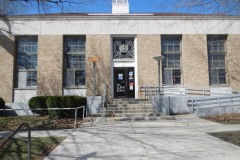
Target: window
x=74, y=50
x=171, y=50
x=123, y=48
x=216, y=60
x=27, y=49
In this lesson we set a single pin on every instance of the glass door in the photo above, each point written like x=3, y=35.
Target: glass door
x=124, y=85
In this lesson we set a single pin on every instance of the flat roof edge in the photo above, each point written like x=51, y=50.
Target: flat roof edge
x=132, y=16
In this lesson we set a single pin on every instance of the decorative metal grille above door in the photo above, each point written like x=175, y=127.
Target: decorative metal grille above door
x=123, y=48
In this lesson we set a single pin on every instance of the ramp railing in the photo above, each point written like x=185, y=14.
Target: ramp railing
x=107, y=102
x=152, y=89
x=214, y=102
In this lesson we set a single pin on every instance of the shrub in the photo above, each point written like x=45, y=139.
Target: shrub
x=38, y=102
x=2, y=103
x=65, y=102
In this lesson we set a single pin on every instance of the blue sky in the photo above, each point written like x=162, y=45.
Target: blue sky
x=136, y=6
x=210, y=7
x=103, y=6
x=142, y=6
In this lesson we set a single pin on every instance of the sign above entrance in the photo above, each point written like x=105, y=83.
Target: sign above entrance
x=123, y=48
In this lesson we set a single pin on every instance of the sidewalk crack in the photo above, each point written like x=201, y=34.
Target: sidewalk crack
x=138, y=139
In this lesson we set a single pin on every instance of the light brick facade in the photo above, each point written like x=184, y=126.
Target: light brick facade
x=7, y=55
x=148, y=46
x=50, y=65
x=100, y=32
x=233, y=61
x=195, y=61
x=98, y=45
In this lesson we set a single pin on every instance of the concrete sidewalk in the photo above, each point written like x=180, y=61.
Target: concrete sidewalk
x=184, y=138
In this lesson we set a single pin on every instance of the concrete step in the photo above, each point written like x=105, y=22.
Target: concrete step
x=146, y=118
x=133, y=114
x=123, y=112
x=130, y=110
x=127, y=103
x=130, y=105
x=131, y=101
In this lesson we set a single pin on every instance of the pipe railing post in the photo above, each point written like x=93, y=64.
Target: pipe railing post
x=104, y=97
x=192, y=106
x=83, y=112
x=75, y=122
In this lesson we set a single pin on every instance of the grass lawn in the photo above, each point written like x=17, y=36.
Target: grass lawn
x=37, y=122
x=225, y=118
x=40, y=148
x=230, y=136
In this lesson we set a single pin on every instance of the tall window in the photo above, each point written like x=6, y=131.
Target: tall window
x=74, y=48
x=216, y=60
x=27, y=48
x=171, y=50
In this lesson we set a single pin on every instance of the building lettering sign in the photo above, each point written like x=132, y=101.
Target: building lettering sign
x=123, y=48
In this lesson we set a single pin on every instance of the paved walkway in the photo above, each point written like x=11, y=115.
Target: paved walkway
x=181, y=139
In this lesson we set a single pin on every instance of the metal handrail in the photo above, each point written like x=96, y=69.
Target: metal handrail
x=107, y=100
x=214, y=102
x=104, y=97
x=15, y=132
x=42, y=109
x=168, y=90
x=152, y=100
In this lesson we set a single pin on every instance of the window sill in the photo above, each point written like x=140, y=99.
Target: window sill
x=221, y=85
x=83, y=87
x=25, y=88
x=173, y=85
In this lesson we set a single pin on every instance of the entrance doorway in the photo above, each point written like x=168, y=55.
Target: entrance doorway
x=124, y=84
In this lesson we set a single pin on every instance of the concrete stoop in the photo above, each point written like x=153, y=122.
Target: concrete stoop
x=129, y=110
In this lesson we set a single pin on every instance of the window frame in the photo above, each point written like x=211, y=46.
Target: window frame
x=175, y=61
x=33, y=63
x=70, y=82
x=215, y=59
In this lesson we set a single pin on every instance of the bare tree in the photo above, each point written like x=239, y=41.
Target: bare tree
x=14, y=7
x=9, y=7
x=218, y=7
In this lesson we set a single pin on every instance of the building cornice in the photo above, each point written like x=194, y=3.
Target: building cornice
x=137, y=16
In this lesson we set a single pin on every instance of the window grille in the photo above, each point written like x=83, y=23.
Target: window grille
x=171, y=65
x=27, y=48
x=74, y=51
x=216, y=60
